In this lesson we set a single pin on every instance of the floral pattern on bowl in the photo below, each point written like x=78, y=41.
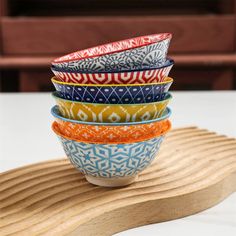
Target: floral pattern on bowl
x=113, y=47
x=146, y=57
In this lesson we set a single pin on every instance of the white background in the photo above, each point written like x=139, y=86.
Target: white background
x=26, y=137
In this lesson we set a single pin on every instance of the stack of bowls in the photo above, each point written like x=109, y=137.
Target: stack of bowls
x=111, y=114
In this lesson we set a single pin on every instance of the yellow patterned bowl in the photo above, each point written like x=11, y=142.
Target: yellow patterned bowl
x=93, y=132
x=110, y=113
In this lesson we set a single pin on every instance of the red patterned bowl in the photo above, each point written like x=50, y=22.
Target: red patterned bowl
x=126, y=77
x=140, y=53
x=113, y=47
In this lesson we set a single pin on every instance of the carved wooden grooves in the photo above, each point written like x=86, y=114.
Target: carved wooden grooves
x=195, y=170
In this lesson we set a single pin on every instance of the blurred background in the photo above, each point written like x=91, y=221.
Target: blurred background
x=33, y=32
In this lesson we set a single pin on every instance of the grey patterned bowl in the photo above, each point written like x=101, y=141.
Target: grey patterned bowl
x=151, y=55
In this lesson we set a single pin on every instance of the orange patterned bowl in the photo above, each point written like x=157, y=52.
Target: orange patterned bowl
x=112, y=133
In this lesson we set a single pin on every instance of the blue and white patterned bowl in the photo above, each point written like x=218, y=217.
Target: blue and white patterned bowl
x=113, y=93
x=146, y=57
x=110, y=165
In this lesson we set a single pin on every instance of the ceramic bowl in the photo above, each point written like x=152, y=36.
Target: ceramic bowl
x=142, y=76
x=111, y=133
x=113, y=94
x=110, y=165
x=99, y=112
x=113, y=47
x=138, y=53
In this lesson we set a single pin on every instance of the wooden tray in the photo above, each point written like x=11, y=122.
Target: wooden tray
x=195, y=170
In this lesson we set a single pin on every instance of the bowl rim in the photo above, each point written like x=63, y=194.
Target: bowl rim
x=56, y=97
x=55, y=110
x=110, y=143
x=168, y=63
x=55, y=80
x=112, y=50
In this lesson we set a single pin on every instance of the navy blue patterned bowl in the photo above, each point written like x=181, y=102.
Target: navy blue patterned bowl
x=113, y=93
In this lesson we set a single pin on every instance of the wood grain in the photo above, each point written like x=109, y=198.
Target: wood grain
x=35, y=80
x=3, y=8
x=115, y=7
x=62, y=35
x=195, y=170
x=209, y=77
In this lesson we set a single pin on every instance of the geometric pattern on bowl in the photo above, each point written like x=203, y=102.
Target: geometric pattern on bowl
x=55, y=111
x=113, y=47
x=112, y=134
x=113, y=94
x=110, y=113
x=127, y=77
x=111, y=160
x=147, y=57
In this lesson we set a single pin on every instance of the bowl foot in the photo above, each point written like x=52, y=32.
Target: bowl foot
x=111, y=182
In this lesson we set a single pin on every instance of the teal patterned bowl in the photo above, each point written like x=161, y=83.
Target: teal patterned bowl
x=110, y=165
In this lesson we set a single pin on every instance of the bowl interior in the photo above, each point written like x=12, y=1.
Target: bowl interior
x=164, y=129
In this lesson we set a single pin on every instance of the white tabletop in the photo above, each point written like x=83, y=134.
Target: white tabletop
x=26, y=137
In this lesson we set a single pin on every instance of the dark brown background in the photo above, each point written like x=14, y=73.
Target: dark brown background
x=33, y=32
